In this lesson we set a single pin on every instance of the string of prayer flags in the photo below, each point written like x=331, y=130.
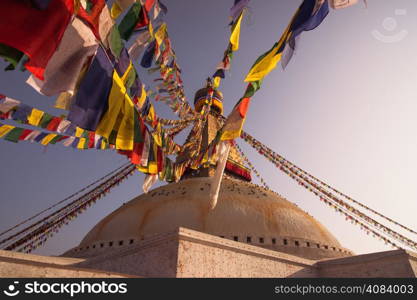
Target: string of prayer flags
x=314, y=186
x=15, y=134
x=34, y=32
x=264, y=149
x=310, y=14
x=237, y=12
x=15, y=110
x=40, y=231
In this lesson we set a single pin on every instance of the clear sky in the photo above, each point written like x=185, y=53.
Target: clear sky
x=345, y=110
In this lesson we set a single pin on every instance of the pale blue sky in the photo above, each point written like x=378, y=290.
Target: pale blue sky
x=344, y=109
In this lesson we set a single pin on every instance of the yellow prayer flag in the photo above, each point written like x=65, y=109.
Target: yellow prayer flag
x=150, y=28
x=152, y=167
x=216, y=81
x=234, y=37
x=81, y=143
x=35, y=117
x=125, y=134
x=115, y=10
x=117, y=94
x=160, y=33
x=126, y=74
x=5, y=129
x=63, y=101
x=157, y=138
x=142, y=169
x=270, y=60
x=142, y=98
x=151, y=113
x=264, y=66
x=47, y=139
x=79, y=132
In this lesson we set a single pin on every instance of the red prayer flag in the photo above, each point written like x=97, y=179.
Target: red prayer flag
x=159, y=159
x=62, y=138
x=37, y=33
x=243, y=107
x=92, y=18
x=91, y=139
x=136, y=154
x=53, y=124
x=143, y=19
x=24, y=134
x=149, y=4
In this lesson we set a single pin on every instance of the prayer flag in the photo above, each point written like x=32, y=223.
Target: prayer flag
x=116, y=99
x=37, y=33
x=234, y=122
x=234, y=37
x=61, y=74
x=135, y=18
x=311, y=14
x=237, y=8
x=91, y=101
x=35, y=117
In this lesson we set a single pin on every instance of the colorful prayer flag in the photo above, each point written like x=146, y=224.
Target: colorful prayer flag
x=91, y=101
x=37, y=33
x=61, y=73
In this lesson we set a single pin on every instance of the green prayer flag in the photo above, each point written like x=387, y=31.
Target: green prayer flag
x=115, y=41
x=252, y=88
x=127, y=25
x=11, y=55
x=46, y=119
x=137, y=130
x=55, y=139
x=14, y=134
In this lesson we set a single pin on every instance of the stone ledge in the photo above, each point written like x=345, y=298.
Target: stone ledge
x=366, y=257
x=56, y=260
x=60, y=271
x=222, y=243
x=150, y=242
x=202, y=238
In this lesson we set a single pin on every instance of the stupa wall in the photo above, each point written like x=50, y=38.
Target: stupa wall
x=396, y=263
x=189, y=253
